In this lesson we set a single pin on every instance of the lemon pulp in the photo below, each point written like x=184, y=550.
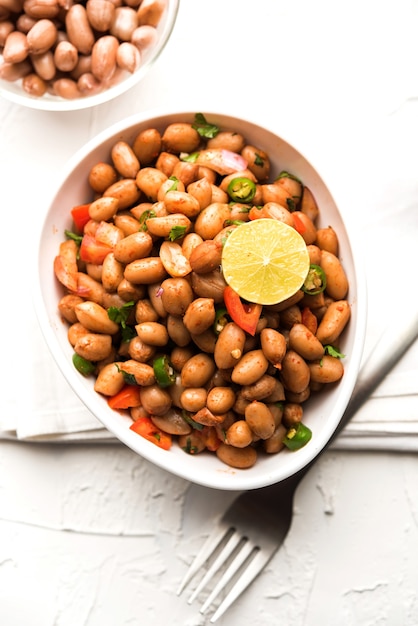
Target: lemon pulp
x=265, y=261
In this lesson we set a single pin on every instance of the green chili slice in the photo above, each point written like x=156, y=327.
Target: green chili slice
x=297, y=437
x=221, y=320
x=82, y=365
x=241, y=189
x=315, y=282
x=163, y=371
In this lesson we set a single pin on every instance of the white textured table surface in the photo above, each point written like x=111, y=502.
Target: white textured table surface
x=92, y=535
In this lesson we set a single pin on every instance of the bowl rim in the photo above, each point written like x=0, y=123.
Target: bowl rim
x=55, y=103
x=156, y=456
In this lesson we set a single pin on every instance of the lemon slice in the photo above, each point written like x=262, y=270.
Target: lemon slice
x=265, y=261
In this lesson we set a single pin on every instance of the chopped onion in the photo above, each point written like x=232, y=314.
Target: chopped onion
x=222, y=161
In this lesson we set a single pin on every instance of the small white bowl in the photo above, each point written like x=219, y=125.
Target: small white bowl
x=48, y=102
x=322, y=413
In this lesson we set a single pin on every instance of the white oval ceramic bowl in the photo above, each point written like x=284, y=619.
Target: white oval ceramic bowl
x=322, y=413
x=13, y=90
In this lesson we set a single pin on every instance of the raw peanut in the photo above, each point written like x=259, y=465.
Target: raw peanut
x=128, y=57
x=124, y=159
x=333, y=322
x=94, y=346
x=44, y=66
x=103, y=57
x=65, y=56
x=151, y=11
x=14, y=71
x=144, y=37
x=241, y=458
x=42, y=36
x=124, y=22
x=6, y=27
x=16, y=48
x=34, y=85
x=94, y=317
x=40, y=9
x=100, y=14
x=79, y=31
x=66, y=88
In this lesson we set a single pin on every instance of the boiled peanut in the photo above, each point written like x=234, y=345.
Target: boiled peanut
x=110, y=380
x=147, y=145
x=197, y=371
x=172, y=422
x=162, y=226
x=145, y=271
x=173, y=259
x=125, y=190
x=156, y=401
x=240, y=458
x=199, y=315
x=152, y=333
x=239, y=434
x=230, y=346
x=103, y=208
x=112, y=272
x=206, y=256
x=250, y=368
x=273, y=345
x=333, y=322
x=220, y=399
x=304, y=342
x=193, y=398
x=260, y=419
x=95, y=318
x=102, y=175
x=328, y=370
x=138, y=245
x=124, y=159
x=295, y=372
x=94, y=346
x=176, y=295
x=180, y=137
x=337, y=282
x=142, y=372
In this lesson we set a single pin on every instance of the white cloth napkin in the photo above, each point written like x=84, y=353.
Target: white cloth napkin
x=38, y=404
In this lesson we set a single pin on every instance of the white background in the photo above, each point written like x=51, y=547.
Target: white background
x=95, y=536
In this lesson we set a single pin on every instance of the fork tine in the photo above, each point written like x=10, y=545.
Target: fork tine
x=226, y=551
x=210, y=545
x=233, y=568
x=254, y=568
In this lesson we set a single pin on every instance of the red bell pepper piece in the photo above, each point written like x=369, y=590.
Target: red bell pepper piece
x=245, y=315
x=80, y=215
x=126, y=398
x=299, y=224
x=93, y=251
x=145, y=427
